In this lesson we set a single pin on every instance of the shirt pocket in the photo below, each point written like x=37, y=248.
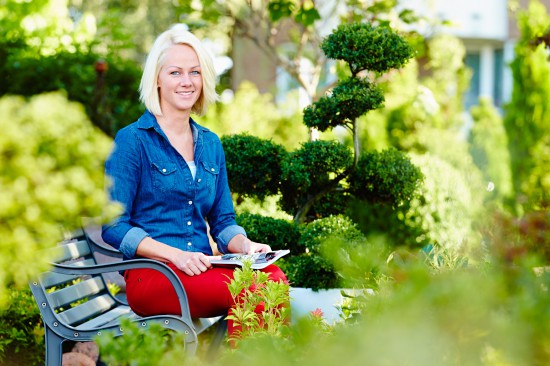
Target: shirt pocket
x=210, y=176
x=164, y=176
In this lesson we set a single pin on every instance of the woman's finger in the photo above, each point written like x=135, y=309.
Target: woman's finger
x=204, y=260
x=262, y=248
x=187, y=270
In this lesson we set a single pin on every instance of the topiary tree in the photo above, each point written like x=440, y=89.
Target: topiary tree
x=364, y=48
x=368, y=51
x=321, y=178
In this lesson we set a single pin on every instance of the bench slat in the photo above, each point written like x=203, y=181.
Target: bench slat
x=76, y=233
x=106, y=319
x=55, y=279
x=78, y=291
x=72, y=250
x=87, y=310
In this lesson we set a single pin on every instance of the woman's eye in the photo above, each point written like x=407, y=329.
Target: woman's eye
x=195, y=73
x=175, y=73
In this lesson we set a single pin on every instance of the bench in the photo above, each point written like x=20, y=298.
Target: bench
x=76, y=305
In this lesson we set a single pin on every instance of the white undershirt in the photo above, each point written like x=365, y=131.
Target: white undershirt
x=192, y=167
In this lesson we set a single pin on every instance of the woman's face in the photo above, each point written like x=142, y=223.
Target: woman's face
x=179, y=80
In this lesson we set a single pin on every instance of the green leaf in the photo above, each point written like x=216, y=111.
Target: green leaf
x=279, y=9
x=307, y=14
x=408, y=16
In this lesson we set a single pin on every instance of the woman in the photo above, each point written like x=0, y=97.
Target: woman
x=169, y=174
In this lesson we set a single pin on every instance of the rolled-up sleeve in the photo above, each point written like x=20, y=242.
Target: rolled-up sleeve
x=131, y=241
x=225, y=236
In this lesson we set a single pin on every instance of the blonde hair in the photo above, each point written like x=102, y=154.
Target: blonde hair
x=148, y=87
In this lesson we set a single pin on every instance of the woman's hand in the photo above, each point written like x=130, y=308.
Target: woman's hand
x=250, y=247
x=192, y=263
x=241, y=244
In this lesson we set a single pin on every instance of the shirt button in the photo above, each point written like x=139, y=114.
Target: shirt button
x=213, y=169
x=188, y=223
x=164, y=170
x=198, y=180
x=189, y=244
x=190, y=202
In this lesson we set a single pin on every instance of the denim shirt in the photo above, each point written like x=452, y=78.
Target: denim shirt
x=160, y=197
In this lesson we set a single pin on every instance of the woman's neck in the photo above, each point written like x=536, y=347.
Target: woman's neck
x=175, y=123
x=179, y=133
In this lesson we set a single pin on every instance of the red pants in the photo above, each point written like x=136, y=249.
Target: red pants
x=150, y=293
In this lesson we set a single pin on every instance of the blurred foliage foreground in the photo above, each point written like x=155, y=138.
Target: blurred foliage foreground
x=428, y=309
x=51, y=175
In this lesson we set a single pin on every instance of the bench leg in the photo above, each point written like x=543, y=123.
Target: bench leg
x=217, y=339
x=54, y=353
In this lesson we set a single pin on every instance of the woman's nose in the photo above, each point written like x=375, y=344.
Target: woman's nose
x=185, y=80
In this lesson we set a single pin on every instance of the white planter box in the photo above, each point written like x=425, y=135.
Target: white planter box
x=304, y=300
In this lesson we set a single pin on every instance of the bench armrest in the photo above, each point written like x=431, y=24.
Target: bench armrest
x=98, y=246
x=130, y=264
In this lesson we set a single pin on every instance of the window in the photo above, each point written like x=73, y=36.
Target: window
x=472, y=61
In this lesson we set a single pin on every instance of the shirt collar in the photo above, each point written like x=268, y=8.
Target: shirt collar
x=147, y=121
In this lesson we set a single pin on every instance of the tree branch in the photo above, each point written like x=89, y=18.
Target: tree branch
x=332, y=185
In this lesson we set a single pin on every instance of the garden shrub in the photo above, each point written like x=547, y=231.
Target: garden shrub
x=253, y=165
x=527, y=117
x=443, y=211
x=307, y=267
x=29, y=75
x=153, y=346
x=278, y=233
x=488, y=145
x=110, y=107
x=446, y=208
x=51, y=175
x=21, y=330
x=309, y=270
x=386, y=177
x=314, y=233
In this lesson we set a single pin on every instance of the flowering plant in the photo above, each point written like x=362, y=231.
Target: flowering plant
x=261, y=306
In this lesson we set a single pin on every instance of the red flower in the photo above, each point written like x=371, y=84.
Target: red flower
x=317, y=313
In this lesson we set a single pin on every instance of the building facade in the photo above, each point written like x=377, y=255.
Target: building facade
x=489, y=33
